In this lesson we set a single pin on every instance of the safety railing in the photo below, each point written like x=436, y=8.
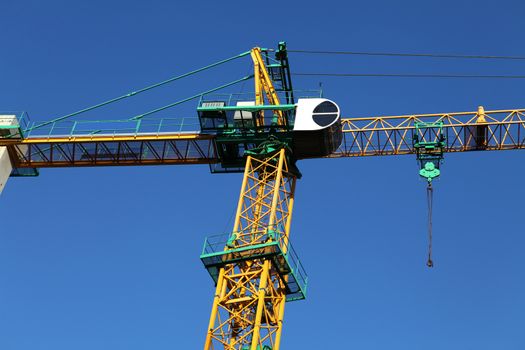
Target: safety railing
x=16, y=129
x=129, y=127
x=231, y=99
x=222, y=249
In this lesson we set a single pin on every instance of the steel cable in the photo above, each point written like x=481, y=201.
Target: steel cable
x=379, y=75
x=430, y=195
x=407, y=54
x=134, y=93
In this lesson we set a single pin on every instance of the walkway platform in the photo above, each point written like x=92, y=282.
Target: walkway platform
x=221, y=250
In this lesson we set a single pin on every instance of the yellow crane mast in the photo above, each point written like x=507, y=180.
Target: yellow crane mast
x=255, y=269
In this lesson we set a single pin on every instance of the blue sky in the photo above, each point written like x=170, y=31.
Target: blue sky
x=107, y=258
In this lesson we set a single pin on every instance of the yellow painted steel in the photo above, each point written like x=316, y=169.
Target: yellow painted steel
x=248, y=305
x=115, y=137
x=264, y=85
x=369, y=136
x=481, y=115
x=112, y=150
x=465, y=131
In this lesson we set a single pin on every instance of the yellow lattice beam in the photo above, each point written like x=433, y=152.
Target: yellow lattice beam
x=264, y=85
x=464, y=131
x=248, y=306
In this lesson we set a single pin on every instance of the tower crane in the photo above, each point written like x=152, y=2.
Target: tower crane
x=254, y=268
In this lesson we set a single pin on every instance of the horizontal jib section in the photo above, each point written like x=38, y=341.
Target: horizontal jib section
x=117, y=152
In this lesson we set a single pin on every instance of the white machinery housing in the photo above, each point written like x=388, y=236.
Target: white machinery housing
x=317, y=128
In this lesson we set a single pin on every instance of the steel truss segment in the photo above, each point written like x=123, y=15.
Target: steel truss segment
x=251, y=291
x=264, y=85
x=179, y=149
x=464, y=131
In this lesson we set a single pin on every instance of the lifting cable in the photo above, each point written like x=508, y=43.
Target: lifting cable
x=429, y=151
x=430, y=195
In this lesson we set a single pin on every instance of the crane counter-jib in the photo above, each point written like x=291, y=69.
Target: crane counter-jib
x=114, y=150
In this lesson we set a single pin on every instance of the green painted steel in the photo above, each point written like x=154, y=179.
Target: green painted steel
x=231, y=241
x=15, y=131
x=242, y=129
x=134, y=125
x=191, y=97
x=24, y=172
x=116, y=127
x=10, y=131
x=254, y=108
x=271, y=146
x=266, y=149
x=429, y=144
x=224, y=249
x=134, y=93
x=429, y=171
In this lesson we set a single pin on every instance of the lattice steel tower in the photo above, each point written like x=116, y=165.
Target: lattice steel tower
x=255, y=267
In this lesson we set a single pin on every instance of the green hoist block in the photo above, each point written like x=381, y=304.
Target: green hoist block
x=430, y=171
x=429, y=152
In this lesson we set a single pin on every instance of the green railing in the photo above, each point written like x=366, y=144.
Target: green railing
x=131, y=126
x=231, y=99
x=222, y=249
x=114, y=127
x=70, y=128
x=15, y=131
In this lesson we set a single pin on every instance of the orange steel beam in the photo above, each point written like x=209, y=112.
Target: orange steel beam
x=116, y=150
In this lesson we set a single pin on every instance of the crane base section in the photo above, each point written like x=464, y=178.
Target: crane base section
x=283, y=258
